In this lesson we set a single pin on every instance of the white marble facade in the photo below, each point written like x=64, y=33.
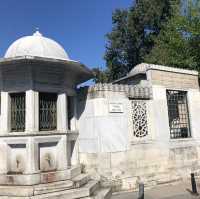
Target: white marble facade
x=36, y=66
x=112, y=150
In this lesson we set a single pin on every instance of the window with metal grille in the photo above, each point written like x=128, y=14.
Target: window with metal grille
x=17, y=112
x=47, y=111
x=178, y=114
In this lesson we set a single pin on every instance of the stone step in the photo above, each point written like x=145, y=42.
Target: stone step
x=103, y=193
x=76, y=182
x=85, y=191
x=14, y=191
x=55, y=176
x=74, y=171
x=88, y=191
x=53, y=187
x=80, y=180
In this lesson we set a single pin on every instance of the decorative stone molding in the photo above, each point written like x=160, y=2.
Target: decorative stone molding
x=130, y=91
x=143, y=68
x=172, y=69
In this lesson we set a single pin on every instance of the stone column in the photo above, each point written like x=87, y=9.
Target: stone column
x=5, y=113
x=63, y=153
x=32, y=161
x=4, y=157
x=32, y=111
x=74, y=160
x=74, y=118
x=62, y=112
x=32, y=157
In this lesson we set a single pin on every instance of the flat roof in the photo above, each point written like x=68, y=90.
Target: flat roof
x=144, y=67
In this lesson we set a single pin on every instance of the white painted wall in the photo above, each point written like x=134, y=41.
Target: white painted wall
x=108, y=147
x=194, y=112
x=160, y=114
x=102, y=131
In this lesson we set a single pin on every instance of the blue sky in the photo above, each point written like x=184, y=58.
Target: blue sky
x=78, y=25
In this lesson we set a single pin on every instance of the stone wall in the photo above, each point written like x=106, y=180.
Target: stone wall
x=152, y=163
x=174, y=80
x=108, y=90
x=151, y=157
x=27, y=160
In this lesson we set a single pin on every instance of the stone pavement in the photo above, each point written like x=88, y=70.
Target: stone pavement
x=181, y=190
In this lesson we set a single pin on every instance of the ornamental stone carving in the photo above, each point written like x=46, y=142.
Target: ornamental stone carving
x=130, y=91
x=139, y=118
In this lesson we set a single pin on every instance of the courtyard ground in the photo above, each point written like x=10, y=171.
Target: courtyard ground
x=181, y=190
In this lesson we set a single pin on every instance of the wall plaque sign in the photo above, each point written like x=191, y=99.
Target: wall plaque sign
x=116, y=107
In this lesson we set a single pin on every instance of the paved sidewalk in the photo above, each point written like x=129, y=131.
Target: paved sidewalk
x=174, y=191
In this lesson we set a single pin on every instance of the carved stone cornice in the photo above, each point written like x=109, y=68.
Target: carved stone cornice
x=130, y=91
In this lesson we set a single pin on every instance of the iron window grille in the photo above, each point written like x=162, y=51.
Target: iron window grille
x=47, y=111
x=178, y=114
x=17, y=112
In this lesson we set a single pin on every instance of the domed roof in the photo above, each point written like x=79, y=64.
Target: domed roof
x=36, y=45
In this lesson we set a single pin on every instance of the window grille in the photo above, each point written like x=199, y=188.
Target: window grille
x=178, y=114
x=17, y=112
x=47, y=111
x=139, y=118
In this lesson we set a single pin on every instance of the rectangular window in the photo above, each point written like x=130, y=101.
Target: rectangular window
x=17, y=112
x=178, y=114
x=47, y=111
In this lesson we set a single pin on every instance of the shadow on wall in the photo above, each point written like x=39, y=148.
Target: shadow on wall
x=82, y=98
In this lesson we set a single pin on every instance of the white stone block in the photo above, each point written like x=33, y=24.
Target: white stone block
x=5, y=113
x=32, y=111
x=62, y=125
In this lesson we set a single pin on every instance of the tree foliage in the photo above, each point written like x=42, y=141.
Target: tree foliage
x=178, y=43
x=117, y=48
x=163, y=32
x=100, y=76
x=132, y=35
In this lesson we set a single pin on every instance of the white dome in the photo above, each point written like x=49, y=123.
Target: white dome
x=36, y=45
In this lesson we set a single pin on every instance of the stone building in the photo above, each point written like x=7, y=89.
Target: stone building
x=58, y=140
x=143, y=127
x=38, y=122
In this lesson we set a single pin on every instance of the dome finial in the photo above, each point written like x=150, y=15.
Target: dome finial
x=37, y=33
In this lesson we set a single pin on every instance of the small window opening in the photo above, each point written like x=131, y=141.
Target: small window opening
x=47, y=111
x=17, y=112
x=178, y=114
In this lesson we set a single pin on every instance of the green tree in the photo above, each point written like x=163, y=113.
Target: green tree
x=100, y=76
x=145, y=22
x=178, y=43
x=132, y=35
x=116, y=48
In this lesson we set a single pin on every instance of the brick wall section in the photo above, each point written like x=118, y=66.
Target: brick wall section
x=174, y=80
